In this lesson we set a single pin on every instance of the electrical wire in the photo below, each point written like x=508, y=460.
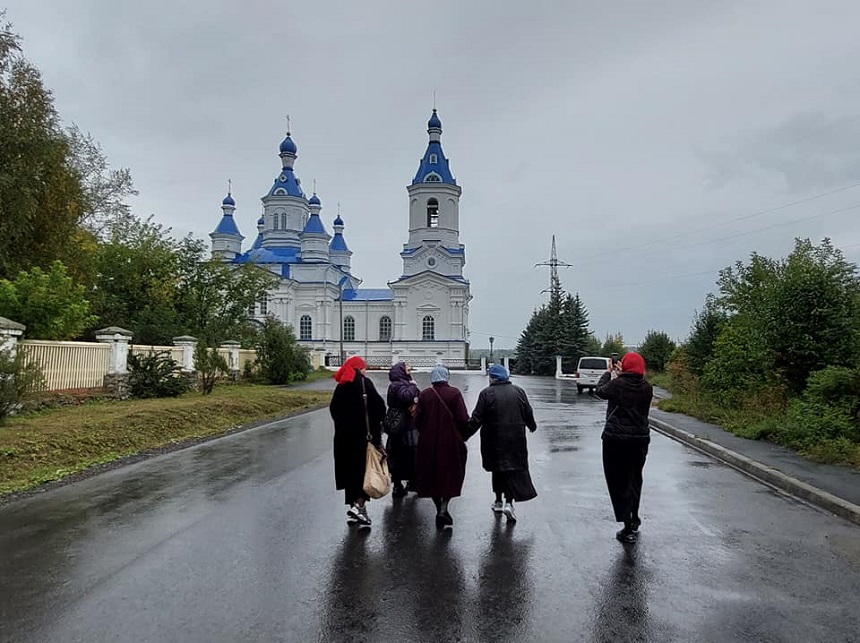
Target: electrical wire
x=737, y=235
x=677, y=235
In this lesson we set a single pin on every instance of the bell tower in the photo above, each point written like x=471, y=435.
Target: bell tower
x=434, y=213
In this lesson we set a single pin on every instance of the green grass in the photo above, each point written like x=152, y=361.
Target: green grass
x=54, y=443
x=763, y=419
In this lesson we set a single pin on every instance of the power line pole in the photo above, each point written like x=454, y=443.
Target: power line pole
x=554, y=264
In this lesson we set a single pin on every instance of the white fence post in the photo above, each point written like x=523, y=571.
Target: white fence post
x=116, y=379
x=506, y=361
x=188, y=344
x=10, y=331
x=118, y=338
x=484, y=364
x=233, y=361
x=558, y=372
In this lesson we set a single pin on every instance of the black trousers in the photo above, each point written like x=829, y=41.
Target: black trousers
x=622, y=466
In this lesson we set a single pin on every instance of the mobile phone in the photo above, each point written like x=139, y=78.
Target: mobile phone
x=614, y=358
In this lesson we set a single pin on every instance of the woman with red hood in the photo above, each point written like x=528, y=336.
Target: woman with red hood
x=354, y=396
x=626, y=436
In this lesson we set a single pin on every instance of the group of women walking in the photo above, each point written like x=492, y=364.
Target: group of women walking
x=427, y=452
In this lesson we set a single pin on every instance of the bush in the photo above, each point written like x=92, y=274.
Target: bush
x=279, y=355
x=209, y=364
x=20, y=379
x=156, y=375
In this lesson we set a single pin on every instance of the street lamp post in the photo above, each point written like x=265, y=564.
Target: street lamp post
x=341, y=324
x=492, y=339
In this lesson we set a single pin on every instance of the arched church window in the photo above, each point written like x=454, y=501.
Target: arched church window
x=305, y=327
x=275, y=222
x=283, y=220
x=432, y=178
x=428, y=329
x=432, y=213
x=264, y=305
x=434, y=159
x=348, y=329
x=385, y=329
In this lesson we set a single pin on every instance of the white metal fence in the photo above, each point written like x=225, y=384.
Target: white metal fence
x=75, y=365
x=69, y=365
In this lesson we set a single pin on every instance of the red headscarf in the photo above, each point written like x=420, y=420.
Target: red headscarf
x=347, y=371
x=633, y=363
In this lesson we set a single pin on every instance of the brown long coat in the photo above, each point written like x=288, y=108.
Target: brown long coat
x=441, y=461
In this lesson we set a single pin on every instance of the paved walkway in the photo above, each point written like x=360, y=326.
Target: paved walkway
x=839, y=481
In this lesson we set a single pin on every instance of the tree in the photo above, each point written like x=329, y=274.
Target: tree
x=279, y=355
x=559, y=327
x=105, y=190
x=656, y=349
x=138, y=271
x=20, y=379
x=575, y=337
x=704, y=332
x=613, y=344
x=209, y=364
x=214, y=297
x=793, y=316
x=50, y=304
x=41, y=196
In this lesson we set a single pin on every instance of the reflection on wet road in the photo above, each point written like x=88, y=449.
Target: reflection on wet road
x=245, y=539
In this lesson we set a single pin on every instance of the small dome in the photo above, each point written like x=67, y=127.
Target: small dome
x=314, y=200
x=338, y=221
x=228, y=200
x=434, y=122
x=287, y=146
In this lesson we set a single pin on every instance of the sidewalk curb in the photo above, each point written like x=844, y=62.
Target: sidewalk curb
x=769, y=475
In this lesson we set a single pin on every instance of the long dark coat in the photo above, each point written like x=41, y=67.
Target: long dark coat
x=350, y=432
x=441, y=462
x=402, y=393
x=502, y=413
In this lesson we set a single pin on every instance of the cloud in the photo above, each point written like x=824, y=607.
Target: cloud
x=611, y=125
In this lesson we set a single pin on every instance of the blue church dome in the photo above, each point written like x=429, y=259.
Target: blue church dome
x=261, y=221
x=434, y=121
x=338, y=221
x=228, y=200
x=288, y=147
x=314, y=200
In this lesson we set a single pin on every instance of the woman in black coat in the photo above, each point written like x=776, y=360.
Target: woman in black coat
x=503, y=414
x=355, y=403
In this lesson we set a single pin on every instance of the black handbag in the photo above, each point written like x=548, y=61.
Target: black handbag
x=394, y=423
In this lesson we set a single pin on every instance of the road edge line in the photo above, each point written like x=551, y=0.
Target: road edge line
x=802, y=490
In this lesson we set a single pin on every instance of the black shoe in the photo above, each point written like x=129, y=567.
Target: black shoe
x=626, y=535
x=440, y=521
x=398, y=491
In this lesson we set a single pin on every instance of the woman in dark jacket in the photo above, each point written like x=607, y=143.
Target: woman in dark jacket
x=355, y=403
x=625, y=439
x=442, y=421
x=503, y=413
x=402, y=395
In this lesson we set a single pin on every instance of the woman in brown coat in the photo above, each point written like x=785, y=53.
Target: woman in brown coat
x=442, y=421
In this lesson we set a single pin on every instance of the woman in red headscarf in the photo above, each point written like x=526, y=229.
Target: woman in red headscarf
x=347, y=409
x=626, y=435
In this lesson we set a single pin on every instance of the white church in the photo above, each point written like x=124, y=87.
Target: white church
x=421, y=317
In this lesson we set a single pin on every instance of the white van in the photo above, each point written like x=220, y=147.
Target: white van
x=589, y=371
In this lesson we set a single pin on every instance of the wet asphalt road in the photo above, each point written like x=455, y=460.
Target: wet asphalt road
x=244, y=539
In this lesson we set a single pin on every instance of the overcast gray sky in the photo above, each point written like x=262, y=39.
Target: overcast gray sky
x=643, y=135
